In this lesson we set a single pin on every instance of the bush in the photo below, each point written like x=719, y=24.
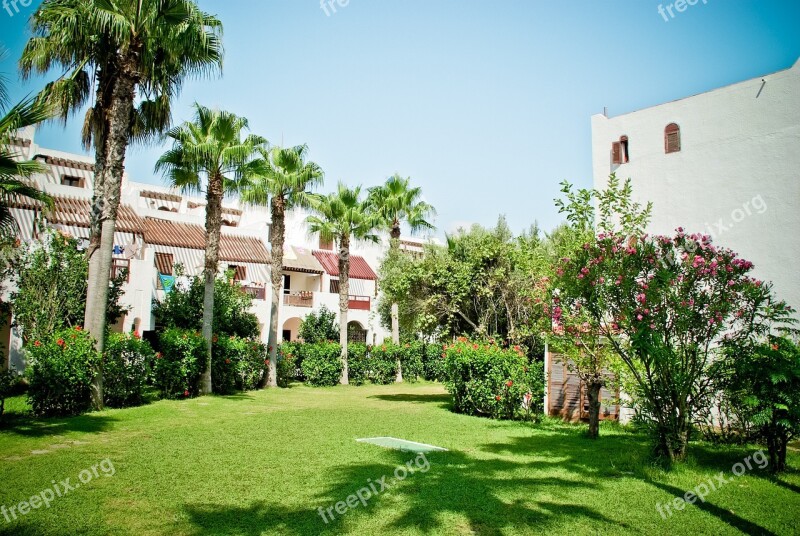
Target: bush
x=293, y=351
x=433, y=368
x=319, y=327
x=287, y=365
x=126, y=367
x=180, y=363
x=411, y=360
x=488, y=380
x=358, y=364
x=383, y=363
x=9, y=380
x=237, y=364
x=322, y=363
x=60, y=373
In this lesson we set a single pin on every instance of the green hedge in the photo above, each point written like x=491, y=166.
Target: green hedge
x=179, y=364
x=321, y=363
x=126, y=368
x=487, y=380
x=237, y=364
x=433, y=363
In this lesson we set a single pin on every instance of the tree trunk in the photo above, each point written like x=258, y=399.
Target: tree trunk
x=344, y=302
x=213, y=230
x=777, y=443
x=394, y=244
x=593, y=391
x=278, y=234
x=120, y=112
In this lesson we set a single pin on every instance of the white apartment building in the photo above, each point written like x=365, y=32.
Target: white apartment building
x=724, y=163
x=159, y=228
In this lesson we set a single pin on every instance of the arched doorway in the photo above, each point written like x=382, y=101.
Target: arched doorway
x=356, y=332
x=291, y=329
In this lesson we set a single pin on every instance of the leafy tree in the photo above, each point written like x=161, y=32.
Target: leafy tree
x=319, y=326
x=281, y=178
x=396, y=202
x=344, y=217
x=209, y=151
x=117, y=51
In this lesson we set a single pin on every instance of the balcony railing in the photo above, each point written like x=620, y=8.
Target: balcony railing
x=299, y=299
x=359, y=303
x=258, y=293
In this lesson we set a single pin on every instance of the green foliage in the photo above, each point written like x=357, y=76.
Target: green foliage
x=60, y=373
x=487, y=380
x=183, y=308
x=286, y=365
x=411, y=359
x=358, y=363
x=433, y=364
x=8, y=383
x=177, y=367
x=126, y=370
x=53, y=271
x=322, y=363
x=237, y=364
x=383, y=363
x=319, y=326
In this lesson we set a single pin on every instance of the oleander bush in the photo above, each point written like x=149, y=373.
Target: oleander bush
x=383, y=363
x=237, y=364
x=358, y=363
x=179, y=364
x=433, y=363
x=321, y=363
x=488, y=380
x=60, y=373
x=126, y=369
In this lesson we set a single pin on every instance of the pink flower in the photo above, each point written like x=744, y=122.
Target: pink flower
x=639, y=317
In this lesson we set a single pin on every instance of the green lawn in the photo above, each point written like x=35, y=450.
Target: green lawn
x=264, y=462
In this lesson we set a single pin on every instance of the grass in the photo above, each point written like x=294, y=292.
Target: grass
x=263, y=462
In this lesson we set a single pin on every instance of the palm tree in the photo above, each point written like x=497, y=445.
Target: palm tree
x=280, y=178
x=209, y=151
x=12, y=168
x=344, y=217
x=396, y=202
x=133, y=56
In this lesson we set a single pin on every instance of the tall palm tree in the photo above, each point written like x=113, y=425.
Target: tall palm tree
x=132, y=56
x=344, y=217
x=209, y=152
x=281, y=179
x=396, y=202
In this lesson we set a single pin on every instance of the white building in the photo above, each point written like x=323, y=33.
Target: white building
x=724, y=163
x=159, y=228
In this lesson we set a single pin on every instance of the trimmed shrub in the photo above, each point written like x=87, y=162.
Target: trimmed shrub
x=433, y=363
x=322, y=363
x=411, y=360
x=286, y=368
x=177, y=368
x=494, y=382
x=60, y=373
x=383, y=363
x=358, y=363
x=126, y=367
x=237, y=364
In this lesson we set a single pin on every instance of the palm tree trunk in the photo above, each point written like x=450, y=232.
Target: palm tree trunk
x=394, y=244
x=344, y=301
x=120, y=111
x=213, y=231
x=278, y=237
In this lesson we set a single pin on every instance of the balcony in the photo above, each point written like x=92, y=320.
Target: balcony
x=359, y=303
x=299, y=299
x=258, y=293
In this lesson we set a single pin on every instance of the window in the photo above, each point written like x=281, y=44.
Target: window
x=287, y=284
x=239, y=272
x=672, y=138
x=619, y=151
x=326, y=245
x=75, y=182
x=120, y=266
x=287, y=335
x=334, y=286
x=164, y=263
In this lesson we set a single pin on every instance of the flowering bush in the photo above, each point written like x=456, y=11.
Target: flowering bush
x=177, y=368
x=126, y=368
x=287, y=364
x=383, y=363
x=485, y=379
x=358, y=363
x=322, y=363
x=433, y=364
x=60, y=373
x=237, y=364
x=411, y=355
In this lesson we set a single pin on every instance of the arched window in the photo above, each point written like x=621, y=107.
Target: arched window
x=672, y=138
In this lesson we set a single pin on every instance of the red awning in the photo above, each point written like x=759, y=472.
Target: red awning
x=359, y=269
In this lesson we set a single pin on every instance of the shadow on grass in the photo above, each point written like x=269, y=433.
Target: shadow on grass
x=28, y=426
x=441, y=400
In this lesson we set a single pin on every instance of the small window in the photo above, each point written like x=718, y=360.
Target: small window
x=619, y=151
x=239, y=272
x=672, y=138
x=75, y=182
x=326, y=245
x=287, y=283
x=334, y=286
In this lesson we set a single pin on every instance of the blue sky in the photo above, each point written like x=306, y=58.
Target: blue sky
x=486, y=104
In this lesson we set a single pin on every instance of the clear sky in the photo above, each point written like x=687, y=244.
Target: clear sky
x=486, y=104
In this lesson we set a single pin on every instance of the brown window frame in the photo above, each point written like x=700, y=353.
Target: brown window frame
x=672, y=138
x=81, y=182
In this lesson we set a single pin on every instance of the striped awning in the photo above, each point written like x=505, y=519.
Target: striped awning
x=76, y=212
x=359, y=268
x=301, y=260
x=232, y=248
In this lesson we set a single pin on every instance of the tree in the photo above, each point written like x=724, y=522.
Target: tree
x=319, y=327
x=117, y=50
x=344, y=217
x=209, y=151
x=396, y=202
x=280, y=178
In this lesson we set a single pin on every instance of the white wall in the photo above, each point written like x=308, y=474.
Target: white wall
x=736, y=178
